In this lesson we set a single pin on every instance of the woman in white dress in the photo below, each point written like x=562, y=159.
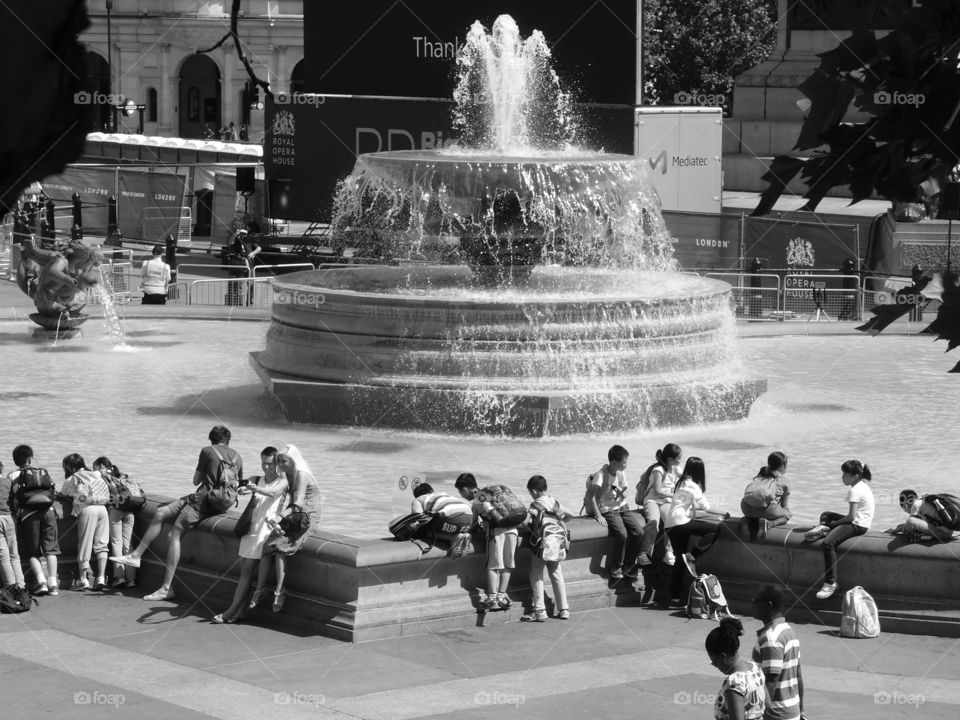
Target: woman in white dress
x=269, y=499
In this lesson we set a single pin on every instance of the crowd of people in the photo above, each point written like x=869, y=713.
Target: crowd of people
x=281, y=507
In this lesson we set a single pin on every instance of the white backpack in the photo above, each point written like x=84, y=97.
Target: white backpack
x=859, y=617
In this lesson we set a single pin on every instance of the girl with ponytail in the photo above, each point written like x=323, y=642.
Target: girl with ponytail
x=839, y=528
x=742, y=695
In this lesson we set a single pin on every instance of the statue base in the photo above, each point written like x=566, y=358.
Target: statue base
x=57, y=327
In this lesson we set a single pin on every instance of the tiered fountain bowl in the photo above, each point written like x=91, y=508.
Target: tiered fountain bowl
x=565, y=313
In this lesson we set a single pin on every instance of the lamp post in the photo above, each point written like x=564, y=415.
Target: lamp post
x=112, y=122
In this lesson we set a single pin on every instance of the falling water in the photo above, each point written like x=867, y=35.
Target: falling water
x=112, y=324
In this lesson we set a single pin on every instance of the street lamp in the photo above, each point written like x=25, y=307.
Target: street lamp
x=112, y=122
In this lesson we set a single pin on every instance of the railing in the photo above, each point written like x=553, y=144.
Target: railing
x=810, y=296
x=756, y=296
x=304, y=266
x=7, y=269
x=238, y=292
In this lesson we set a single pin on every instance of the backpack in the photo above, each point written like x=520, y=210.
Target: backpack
x=505, y=509
x=34, y=489
x=706, y=600
x=126, y=494
x=15, y=599
x=92, y=488
x=760, y=492
x=859, y=617
x=408, y=527
x=549, y=535
x=222, y=495
x=948, y=509
x=643, y=487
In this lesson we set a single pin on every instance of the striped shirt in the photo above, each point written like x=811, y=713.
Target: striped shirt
x=778, y=653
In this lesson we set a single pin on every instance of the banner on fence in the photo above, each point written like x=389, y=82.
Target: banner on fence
x=800, y=246
x=705, y=241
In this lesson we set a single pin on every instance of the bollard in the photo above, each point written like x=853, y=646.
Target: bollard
x=51, y=208
x=171, y=259
x=77, y=216
x=917, y=301
x=756, y=297
x=113, y=232
x=849, y=310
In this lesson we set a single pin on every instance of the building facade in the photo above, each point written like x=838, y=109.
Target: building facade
x=146, y=51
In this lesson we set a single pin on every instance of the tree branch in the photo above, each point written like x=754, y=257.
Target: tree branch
x=234, y=35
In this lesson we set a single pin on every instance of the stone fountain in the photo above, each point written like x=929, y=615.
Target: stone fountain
x=527, y=285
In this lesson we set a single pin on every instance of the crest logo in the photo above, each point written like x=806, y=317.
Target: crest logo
x=283, y=124
x=800, y=253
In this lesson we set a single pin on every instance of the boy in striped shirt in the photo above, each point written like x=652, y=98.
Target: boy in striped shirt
x=778, y=654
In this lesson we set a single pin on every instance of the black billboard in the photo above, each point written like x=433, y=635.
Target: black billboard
x=380, y=75
x=407, y=47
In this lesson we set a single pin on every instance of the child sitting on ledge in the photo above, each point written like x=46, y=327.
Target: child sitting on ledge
x=923, y=522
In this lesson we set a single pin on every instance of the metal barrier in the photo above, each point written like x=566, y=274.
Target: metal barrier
x=7, y=269
x=755, y=295
x=302, y=265
x=238, y=292
x=883, y=291
x=116, y=254
x=809, y=296
x=233, y=271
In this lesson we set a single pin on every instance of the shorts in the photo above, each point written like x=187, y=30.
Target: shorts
x=501, y=548
x=37, y=535
x=186, y=513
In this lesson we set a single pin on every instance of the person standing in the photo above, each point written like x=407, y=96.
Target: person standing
x=778, y=654
x=154, y=278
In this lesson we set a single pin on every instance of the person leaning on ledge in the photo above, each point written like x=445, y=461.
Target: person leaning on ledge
x=154, y=278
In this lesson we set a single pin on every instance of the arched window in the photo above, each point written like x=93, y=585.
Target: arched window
x=151, y=104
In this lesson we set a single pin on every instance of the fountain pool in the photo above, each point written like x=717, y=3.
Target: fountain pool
x=150, y=403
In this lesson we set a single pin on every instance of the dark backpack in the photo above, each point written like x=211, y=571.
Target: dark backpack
x=222, y=495
x=126, y=494
x=948, y=509
x=15, y=599
x=411, y=526
x=34, y=490
x=549, y=535
x=505, y=509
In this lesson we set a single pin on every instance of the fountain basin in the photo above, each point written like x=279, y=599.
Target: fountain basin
x=573, y=350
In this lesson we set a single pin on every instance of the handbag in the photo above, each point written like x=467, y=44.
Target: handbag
x=242, y=526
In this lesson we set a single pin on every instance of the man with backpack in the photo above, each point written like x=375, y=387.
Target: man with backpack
x=217, y=478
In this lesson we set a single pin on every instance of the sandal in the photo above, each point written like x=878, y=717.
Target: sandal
x=279, y=598
x=256, y=598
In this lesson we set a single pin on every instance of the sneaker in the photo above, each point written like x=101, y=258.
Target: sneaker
x=131, y=583
x=826, y=591
x=762, y=532
x=54, y=591
x=691, y=564
x=161, y=594
x=820, y=531
x=40, y=589
x=100, y=584
x=632, y=573
x=504, y=603
x=643, y=560
x=487, y=604
x=669, y=559
x=534, y=616
x=118, y=582
x=616, y=574
x=125, y=560
x=81, y=584
x=563, y=615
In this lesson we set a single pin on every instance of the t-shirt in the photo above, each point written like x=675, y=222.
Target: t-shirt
x=687, y=499
x=209, y=463
x=748, y=683
x=778, y=653
x=862, y=495
x=5, y=484
x=442, y=504
x=613, y=493
x=154, y=275
x=662, y=483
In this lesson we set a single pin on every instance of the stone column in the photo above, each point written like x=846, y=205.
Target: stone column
x=282, y=79
x=228, y=96
x=166, y=99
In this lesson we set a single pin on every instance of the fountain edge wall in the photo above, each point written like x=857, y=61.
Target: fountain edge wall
x=356, y=590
